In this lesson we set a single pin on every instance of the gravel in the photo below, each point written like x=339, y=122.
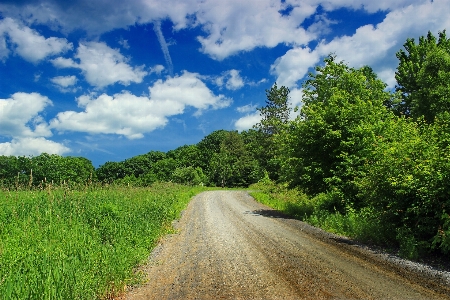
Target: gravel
x=228, y=246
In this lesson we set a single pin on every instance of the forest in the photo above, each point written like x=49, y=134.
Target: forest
x=354, y=151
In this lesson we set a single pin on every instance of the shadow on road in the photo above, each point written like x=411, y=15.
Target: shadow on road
x=269, y=213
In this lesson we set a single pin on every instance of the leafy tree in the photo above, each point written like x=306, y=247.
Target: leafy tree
x=276, y=112
x=15, y=171
x=423, y=75
x=111, y=171
x=137, y=165
x=189, y=176
x=164, y=168
x=274, y=118
x=407, y=178
x=209, y=145
x=233, y=165
x=154, y=156
x=326, y=146
x=186, y=156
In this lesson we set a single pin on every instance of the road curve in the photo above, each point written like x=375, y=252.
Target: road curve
x=228, y=246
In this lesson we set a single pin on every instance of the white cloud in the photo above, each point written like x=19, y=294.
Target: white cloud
x=295, y=101
x=231, y=79
x=64, y=81
x=368, y=5
x=370, y=45
x=97, y=17
x=28, y=43
x=246, y=108
x=189, y=90
x=31, y=146
x=157, y=69
x=20, y=120
x=293, y=66
x=19, y=115
x=235, y=25
x=132, y=116
x=61, y=62
x=102, y=65
x=124, y=43
x=247, y=122
x=229, y=26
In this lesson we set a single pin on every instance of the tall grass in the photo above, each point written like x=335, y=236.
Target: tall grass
x=81, y=244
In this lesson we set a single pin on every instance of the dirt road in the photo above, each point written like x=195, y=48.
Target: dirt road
x=231, y=247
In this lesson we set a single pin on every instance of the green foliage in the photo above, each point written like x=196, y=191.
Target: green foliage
x=111, y=171
x=189, y=176
x=164, y=168
x=186, y=156
x=422, y=75
x=45, y=168
x=407, y=179
x=274, y=118
x=275, y=115
x=69, y=244
x=209, y=146
x=233, y=165
x=325, y=147
x=364, y=225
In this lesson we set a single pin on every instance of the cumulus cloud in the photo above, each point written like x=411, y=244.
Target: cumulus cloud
x=246, y=108
x=293, y=66
x=28, y=43
x=251, y=118
x=20, y=119
x=247, y=121
x=367, y=5
x=234, y=26
x=97, y=17
x=132, y=116
x=231, y=79
x=229, y=26
x=373, y=45
x=19, y=115
x=157, y=69
x=32, y=146
x=64, y=81
x=102, y=65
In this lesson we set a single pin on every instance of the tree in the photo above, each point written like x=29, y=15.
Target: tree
x=423, y=75
x=186, y=156
x=233, y=165
x=208, y=147
x=111, y=171
x=274, y=117
x=189, y=176
x=276, y=112
x=164, y=168
x=326, y=146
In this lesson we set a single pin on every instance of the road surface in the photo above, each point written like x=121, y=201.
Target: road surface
x=228, y=246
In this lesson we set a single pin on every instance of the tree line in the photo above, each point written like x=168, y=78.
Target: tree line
x=354, y=145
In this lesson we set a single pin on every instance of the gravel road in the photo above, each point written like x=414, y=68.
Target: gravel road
x=228, y=246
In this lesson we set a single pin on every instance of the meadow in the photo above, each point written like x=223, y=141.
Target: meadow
x=85, y=243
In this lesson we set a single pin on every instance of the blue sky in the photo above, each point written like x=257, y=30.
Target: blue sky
x=108, y=80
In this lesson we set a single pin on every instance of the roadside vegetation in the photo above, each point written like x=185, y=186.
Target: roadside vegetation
x=359, y=160
x=66, y=243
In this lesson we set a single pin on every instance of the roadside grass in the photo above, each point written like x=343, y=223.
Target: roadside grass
x=363, y=225
x=59, y=243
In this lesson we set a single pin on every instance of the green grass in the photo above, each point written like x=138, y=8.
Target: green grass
x=364, y=225
x=81, y=244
